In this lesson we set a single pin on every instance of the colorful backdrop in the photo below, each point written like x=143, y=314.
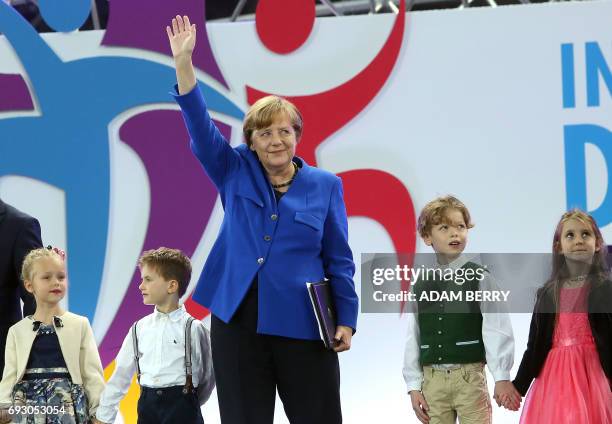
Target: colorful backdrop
x=510, y=109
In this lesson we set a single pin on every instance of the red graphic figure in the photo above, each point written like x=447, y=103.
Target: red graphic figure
x=284, y=25
x=390, y=204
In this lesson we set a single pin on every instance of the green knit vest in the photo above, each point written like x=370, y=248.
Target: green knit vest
x=450, y=331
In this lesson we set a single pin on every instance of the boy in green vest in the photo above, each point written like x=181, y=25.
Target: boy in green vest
x=449, y=341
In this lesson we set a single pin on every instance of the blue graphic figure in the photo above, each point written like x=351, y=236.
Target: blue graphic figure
x=577, y=136
x=70, y=16
x=71, y=150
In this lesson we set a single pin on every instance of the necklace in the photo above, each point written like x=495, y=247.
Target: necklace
x=577, y=278
x=576, y=281
x=285, y=184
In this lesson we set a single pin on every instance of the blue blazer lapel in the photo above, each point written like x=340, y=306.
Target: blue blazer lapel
x=258, y=178
x=259, y=190
x=302, y=186
x=253, y=187
x=248, y=191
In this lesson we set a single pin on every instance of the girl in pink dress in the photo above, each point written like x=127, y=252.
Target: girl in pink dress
x=569, y=349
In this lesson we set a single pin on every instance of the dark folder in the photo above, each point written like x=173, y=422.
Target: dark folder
x=323, y=306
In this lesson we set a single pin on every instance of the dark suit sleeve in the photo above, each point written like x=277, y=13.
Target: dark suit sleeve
x=28, y=239
x=525, y=373
x=600, y=317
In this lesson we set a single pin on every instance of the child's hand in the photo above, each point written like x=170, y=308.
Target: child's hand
x=506, y=395
x=419, y=406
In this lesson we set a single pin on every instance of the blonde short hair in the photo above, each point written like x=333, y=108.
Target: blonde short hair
x=171, y=264
x=261, y=114
x=35, y=255
x=434, y=213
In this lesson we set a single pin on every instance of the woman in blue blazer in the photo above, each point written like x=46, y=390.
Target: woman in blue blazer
x=285, y=225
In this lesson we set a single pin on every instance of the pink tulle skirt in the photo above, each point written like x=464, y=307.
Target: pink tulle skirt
x=572, y=387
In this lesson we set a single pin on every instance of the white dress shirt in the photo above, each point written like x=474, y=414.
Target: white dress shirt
x=497, y=336
x=161, y=345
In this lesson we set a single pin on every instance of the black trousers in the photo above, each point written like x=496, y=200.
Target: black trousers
x=250, y=368
x=3, y=334
x=168, y=405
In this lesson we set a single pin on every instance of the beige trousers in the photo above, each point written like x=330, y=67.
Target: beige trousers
x=457, y=393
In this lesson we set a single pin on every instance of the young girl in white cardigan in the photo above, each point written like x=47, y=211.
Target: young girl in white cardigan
x=53, y=372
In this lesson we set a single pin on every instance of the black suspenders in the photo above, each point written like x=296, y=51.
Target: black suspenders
x=188, y=388
x=188, y=370
x=136, y=353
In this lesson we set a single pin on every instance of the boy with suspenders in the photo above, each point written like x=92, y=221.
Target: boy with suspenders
x=168, y=350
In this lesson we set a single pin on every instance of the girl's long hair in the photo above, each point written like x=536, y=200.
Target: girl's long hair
x=599, y=271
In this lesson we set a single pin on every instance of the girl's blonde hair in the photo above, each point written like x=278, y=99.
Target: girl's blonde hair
x=33, y=256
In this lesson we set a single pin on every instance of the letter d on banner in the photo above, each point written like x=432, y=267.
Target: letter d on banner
x=576, y=138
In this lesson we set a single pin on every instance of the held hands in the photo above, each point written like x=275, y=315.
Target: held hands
x=343, y=337
x=506, y=395
x=419, y=406
x=182, y=37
